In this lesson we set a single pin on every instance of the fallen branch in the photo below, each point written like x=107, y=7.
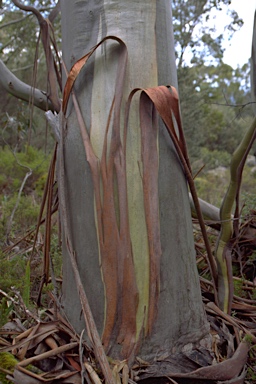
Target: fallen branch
x=209, y=211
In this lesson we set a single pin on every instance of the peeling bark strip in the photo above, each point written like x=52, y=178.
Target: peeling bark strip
x=149, y=151
x=114, y=236
x=165, y=99
x=147, y=33
x=112, y=214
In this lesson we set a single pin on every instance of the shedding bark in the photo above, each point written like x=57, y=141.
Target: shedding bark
x=138, y=257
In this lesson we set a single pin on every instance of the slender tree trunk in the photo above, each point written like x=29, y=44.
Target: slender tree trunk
x=137, y=307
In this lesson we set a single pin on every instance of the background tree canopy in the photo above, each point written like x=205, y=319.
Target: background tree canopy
x=22, y=52
x=214, y=96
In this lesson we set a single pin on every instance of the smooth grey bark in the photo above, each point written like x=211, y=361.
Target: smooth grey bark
x=22, y=90
x=209, y=211
x=181, y=318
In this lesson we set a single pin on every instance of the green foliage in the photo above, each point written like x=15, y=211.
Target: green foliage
x=56, y=254
x=25, y=216
x=8, y=362
x=214, y=158
x=251, y=375
x=195, y=30
x=13, y=274
x=6, y=308
x=238, y=288
x=17, y=270
x=12, y=271
x=26, y=290
x=19, y=32
x=211, y=187
x=248, y=196
x=56, y=257
x=214, y=106
x=14, y=166
x=24, y=274
x=248, y=339
x=249, y=202
x=212, y=182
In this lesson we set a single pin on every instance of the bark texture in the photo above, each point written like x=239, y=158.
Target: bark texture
x=22, y=90
x=178, y=318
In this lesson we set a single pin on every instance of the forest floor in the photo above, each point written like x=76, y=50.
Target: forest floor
x=38, y=345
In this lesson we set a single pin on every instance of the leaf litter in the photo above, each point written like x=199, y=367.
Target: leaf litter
x=49, y=350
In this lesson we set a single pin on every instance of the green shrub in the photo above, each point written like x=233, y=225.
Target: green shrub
x=215, y=158
x=13, y=169
x=25, y=216
x=12, y=271
x=212, y=187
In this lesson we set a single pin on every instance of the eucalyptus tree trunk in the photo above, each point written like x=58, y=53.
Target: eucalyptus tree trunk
x=145, y=298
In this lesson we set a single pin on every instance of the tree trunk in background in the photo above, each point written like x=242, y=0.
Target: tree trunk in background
x=179, y=318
